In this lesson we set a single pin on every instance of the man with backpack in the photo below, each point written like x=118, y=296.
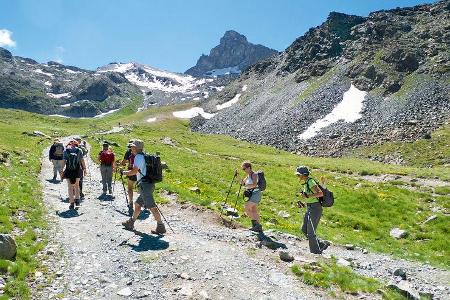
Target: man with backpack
x=106, y=158
x=74, y=167
x=84, y=150
x=311, y=192
x=252, y=193
x=146, y=179
x=55, y=155
x=129, y=159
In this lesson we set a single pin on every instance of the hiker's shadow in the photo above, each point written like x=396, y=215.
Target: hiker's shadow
x=104, y=197
x=269, y=242
x=71, y=213
x=149, y=242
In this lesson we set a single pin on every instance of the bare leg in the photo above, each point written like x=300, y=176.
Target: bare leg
x=77, y=188
x=70, y=191
x=137, y=211
x=130, y=191
x=156, y=214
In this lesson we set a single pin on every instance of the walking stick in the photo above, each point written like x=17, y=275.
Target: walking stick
x=237, y=197
x=165, y=220
x=114, y=181
x=229, y=190
x=124, y=189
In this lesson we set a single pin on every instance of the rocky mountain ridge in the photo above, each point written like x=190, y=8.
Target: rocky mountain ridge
x=57, y=89
x=233, y=54
x=400, y=58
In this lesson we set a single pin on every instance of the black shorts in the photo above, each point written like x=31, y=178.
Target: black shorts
x=72, y=175
x=132, y=178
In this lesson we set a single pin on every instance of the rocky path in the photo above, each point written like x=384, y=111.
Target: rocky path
x=90, y=256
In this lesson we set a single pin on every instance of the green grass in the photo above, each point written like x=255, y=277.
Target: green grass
x=429, y=154
x=362, y=216
x=329, y=275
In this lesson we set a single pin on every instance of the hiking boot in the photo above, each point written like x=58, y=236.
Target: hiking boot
x=256, y=228
x=324, y=245
x=72, y=206
x=128, y=224
x=54, y=178
x=110, y=192
x=160, y=229
x=77, y=202
x=81, y=196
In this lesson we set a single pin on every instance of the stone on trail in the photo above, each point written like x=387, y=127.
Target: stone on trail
x=186, y=291
x=405, y=288
x=204, y=294
x=349, y=246
x=126, y=292
x=8, y=246
x=401, y=273
x=286, y=256
x=398, y=233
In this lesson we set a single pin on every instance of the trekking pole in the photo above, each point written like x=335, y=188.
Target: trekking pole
x=231, y=185
x=124, y=189
x=237, y=197
x=165, y=220
x=114, y=181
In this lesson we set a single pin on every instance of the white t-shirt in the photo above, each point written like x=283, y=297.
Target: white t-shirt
x=139, y=162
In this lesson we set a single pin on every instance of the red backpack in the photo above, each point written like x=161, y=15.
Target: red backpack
x=107, y=157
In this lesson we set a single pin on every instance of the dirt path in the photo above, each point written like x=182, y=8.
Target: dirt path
x=90, y=256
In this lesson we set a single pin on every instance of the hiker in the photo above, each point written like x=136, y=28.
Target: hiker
x=106, y=158
x=252, y=193
x=74, y=167
x=129, y=157
x=82, y=146
x=55, y=155
x=311, y=192
x=145, y=189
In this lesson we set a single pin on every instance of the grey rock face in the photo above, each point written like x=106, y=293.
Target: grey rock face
x=233, y=51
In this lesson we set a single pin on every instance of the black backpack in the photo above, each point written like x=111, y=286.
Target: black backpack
x=261, y=180
x=154, y=168
x=328, y=198
x=73, y=159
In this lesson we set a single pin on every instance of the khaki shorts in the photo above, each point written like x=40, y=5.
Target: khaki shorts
x=145, y=198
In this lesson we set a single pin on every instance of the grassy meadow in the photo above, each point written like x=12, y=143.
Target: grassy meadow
x=363, y=214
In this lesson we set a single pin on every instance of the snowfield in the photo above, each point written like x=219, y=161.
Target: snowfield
x=348, y=110
x=191, y=113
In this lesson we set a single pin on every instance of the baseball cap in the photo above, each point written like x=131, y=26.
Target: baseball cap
x=138, y=144
x=302, y=170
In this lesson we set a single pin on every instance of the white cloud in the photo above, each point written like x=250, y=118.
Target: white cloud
x=5, y=38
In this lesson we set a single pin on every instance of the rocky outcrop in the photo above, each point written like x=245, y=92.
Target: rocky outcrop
x=400, y=57
x=233, y=52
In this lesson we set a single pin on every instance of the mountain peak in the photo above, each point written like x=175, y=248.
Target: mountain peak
x=233, y=54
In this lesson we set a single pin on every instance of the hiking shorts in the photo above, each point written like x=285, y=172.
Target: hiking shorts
x=73, y=174
x=145, y=198
x=255, y=197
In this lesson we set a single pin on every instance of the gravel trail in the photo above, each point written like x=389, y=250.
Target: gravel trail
x=90, y=255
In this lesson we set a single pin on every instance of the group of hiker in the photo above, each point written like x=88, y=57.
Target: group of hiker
x=143, y=171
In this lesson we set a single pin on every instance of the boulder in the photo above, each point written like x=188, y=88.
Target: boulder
x=398, y=233
x=8, y=247
x=405, y=288
x=400, y=273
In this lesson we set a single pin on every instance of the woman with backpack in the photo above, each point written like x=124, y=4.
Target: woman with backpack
x=311, y=191
x=252, y=193
x=74, y=168
x=55, y=155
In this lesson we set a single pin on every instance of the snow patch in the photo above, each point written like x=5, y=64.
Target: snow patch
x=244, y=87
x=229, y=103
x=59, y=116
x=44, y=73
x=48, y=83
x=106, y=113
x=58, y=96
x=72, y=72
x=191, y=113
x=348, y=110
x=224, y=71
x=65, y=105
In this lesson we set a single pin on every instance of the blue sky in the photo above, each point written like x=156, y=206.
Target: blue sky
x=168, y=34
